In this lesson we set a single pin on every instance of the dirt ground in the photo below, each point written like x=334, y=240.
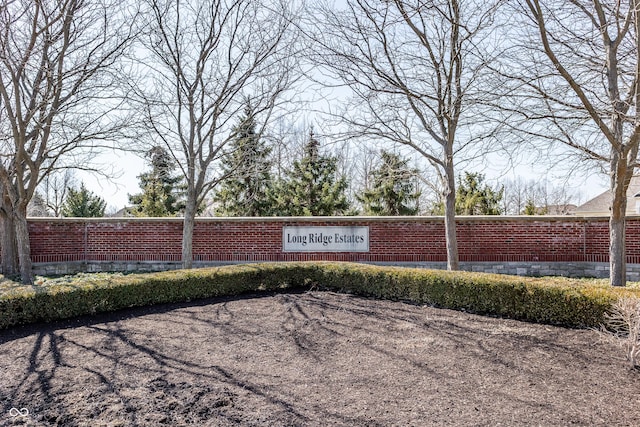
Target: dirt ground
x=311, y=359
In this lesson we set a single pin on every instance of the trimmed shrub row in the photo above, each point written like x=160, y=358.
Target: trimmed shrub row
x=559, y=301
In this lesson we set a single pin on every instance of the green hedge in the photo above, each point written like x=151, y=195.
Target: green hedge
x=560, y=301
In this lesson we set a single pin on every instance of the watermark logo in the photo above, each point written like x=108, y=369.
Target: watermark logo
x=22, y=412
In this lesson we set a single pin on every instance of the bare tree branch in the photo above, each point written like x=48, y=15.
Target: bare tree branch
x=580, y=87
x=415, y=73
x=59, y=90
x=205, y=58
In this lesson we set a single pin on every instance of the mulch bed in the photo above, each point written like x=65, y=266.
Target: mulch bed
x=311, y=359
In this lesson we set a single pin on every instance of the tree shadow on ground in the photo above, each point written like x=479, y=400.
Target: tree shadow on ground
x=309, y=358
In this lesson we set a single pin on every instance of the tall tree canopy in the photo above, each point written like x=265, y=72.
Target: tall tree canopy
x=245, y=188
x=415, y=71
x=475, y=197
x=312, y=187
x=159, y=186
x=573, y=78
x=59, y=83
x=393, y=189
x=83, y=203
x=204, y=58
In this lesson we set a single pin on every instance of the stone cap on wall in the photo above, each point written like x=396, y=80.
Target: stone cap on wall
x=461, y=218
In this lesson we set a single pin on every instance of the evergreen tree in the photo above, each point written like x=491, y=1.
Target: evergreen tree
x=158, y=197
x=529, y=208
x=83, y=203
x=312, y=187
x=472, y=198
x=245, y=190
x=394, y=192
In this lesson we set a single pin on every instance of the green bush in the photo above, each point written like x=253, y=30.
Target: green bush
x=560, y=301
x=553, y=300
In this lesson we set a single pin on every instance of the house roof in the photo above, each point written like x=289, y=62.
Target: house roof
x=601, y=204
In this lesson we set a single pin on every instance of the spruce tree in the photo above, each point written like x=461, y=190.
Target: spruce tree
x=531, y=209
x=312, y=187
x=83, y=203
x=245, y=190
x=159, y=187
x=474, y=198
x=394, y=190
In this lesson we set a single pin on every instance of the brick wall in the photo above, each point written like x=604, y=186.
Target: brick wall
x=400, y=240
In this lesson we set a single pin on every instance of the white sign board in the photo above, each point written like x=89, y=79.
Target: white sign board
x=325, y=239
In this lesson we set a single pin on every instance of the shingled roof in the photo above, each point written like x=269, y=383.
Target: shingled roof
x=600, y=205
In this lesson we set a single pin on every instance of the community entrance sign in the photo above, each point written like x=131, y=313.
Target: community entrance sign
x=325, y=239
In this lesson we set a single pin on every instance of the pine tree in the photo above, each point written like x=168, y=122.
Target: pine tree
x=158, y=197
x=394, y=190
x=246, y=189
x=530, y=208
x=83, y=203
x=472, y=198
x=312, y=187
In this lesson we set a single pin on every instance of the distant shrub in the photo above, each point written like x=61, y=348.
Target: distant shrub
x=560, y=301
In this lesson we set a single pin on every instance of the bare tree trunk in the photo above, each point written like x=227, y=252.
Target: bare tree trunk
x=617, y=223
x=187, y=231
x=9, y=251
x=450, y=216
x=23, y=245
x=617, y=257
x=187, y=243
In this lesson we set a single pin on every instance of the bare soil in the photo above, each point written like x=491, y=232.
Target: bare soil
x=311, y=359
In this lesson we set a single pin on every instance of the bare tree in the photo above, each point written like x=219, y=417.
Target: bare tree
x=574, y=75
x=515, y=195
x=414, y=70
x=54, y=189
x=207, y=57
x=542, y=195
x=57, y=82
